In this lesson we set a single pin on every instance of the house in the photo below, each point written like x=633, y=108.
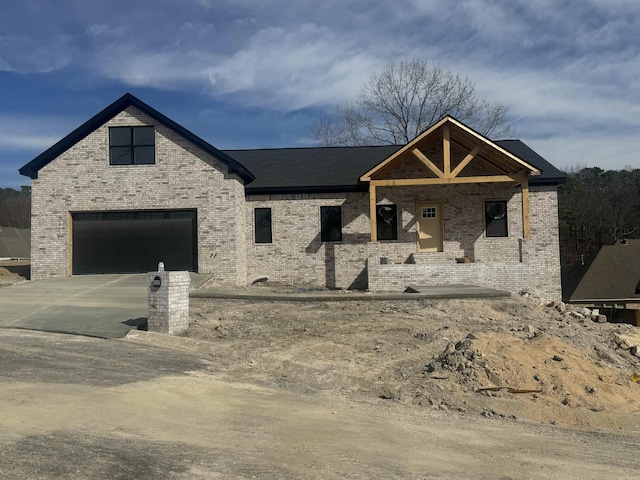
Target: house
x=612, y=282
x=130, y=187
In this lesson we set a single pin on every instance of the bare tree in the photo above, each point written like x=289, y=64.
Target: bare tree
x=399, y=103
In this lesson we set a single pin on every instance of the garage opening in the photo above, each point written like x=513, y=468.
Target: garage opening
x=134, y=242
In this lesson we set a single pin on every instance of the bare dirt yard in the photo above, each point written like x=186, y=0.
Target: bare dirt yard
x=538, y=365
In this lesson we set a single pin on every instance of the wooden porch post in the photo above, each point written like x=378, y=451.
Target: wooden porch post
x=372, y=212
x=526, y=222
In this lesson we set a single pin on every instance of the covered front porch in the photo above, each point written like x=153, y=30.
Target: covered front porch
x=451, y=207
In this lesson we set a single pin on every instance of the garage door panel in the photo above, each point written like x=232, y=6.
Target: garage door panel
x=123, y=242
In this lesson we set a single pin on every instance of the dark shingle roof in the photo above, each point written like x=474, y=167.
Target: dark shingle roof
x=549, y=175
x=320, y=169
x=31, y=169
x=613, y=275
x=338, y=169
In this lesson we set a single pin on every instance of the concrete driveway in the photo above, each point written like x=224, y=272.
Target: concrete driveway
x=106, y=306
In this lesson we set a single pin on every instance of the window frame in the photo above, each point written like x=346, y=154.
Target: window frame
x=505, y=219
x=326, y=231
x=255, y=226
x=380, y=222
x=132, y=145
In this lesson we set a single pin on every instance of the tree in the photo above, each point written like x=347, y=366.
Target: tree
x=403, y=100
x=596, y=208
x=15, y=207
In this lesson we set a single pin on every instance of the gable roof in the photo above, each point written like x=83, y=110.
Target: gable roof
x=512, y=161
x=338, y=169
x=31, y=169
x=613, y=275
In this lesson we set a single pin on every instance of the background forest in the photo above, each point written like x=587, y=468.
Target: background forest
x=596, y=207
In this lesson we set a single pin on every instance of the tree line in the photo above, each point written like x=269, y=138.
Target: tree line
x=597, y=207
x=15, y=207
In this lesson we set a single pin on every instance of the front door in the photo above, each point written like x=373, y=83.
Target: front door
x=429, y=227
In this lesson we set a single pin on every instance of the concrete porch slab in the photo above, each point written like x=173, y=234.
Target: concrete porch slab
x=456, y=291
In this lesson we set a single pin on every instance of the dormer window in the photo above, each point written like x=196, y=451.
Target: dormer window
x=132, y=146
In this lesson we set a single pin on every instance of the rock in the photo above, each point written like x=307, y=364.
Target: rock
x=600, y=318
x=585, y=311
x=536, y=377
x=557, y=358
x=626, y=341
x=589, y=389
x=575, y=314
x=493, y=378
x=471, y=336
x=595, y=311
x=635, y=350
x=561, y=307
x=530, y=329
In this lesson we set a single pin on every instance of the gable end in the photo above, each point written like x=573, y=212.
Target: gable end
x=31, y=169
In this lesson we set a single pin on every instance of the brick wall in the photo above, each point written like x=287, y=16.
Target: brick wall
x=296, y=255
x=183, y=177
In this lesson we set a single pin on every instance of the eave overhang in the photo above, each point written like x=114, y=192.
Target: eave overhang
x=31, y=169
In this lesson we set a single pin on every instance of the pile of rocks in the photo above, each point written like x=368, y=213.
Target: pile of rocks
x=460, y=358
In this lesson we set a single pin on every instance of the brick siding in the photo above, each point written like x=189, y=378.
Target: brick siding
x=183, y=177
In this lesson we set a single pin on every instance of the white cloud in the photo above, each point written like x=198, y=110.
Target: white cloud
x=24, y=54
x=107, y=30
x=34, y=134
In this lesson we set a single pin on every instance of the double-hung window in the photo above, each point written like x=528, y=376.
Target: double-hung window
x=132, y=146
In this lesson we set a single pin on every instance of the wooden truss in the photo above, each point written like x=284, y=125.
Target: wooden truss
x=506, y=166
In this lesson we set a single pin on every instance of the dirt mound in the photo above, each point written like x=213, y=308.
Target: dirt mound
x=544, y=370
x=432, y=354
x=9, y=278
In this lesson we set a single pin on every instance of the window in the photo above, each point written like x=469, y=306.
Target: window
x=263, y=225
x=132, y=146
x=387, y=222
x=429, y=212
x=495, y=214
x=331, y=224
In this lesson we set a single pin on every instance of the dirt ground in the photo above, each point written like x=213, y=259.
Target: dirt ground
x=152, y=406
x=438, y=354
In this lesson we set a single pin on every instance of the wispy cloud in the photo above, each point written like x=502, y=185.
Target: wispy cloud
x=24, y=54
x=32, y=133
x=569, y=70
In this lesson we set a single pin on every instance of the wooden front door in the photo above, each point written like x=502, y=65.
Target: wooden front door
x=429, y=227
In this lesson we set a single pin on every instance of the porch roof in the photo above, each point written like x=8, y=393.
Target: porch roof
x=441, y=168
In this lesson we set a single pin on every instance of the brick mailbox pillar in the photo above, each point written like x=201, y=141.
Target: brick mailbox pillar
x=168, y=301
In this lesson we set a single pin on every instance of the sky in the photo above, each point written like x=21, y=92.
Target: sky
x=259, y=74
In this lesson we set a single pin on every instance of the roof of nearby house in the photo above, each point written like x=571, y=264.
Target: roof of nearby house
x=31, y=169
x=15, y=242
x=613, y=275
x=332, y=169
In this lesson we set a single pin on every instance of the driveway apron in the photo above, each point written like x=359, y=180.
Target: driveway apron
x=105, y=306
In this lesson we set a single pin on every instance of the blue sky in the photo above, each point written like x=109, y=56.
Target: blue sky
x=255, y=74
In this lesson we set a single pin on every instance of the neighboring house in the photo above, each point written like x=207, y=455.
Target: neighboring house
x=15, y=243
x=613, y=281
x=130, y=187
